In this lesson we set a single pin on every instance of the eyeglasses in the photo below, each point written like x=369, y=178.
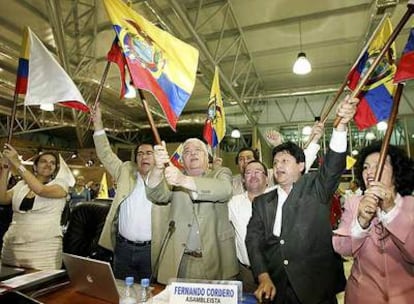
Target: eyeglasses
x=254, y=172
x=142, y=153
x=189, y=152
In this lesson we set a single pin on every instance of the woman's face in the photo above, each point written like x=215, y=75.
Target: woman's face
x=370, y=167
x=46, y=166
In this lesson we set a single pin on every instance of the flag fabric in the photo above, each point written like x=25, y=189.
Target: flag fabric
x=176, y=157
x=405, y=69
x=65, y=173
x=103, y=189
x=376, y=96
x=157, y=61
x=350, y=162
x=41, y=78
x=215, y=125
x=116, y=56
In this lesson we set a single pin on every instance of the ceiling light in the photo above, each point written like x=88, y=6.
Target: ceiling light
x=370, y=136
x=235, y=133
x=74, y=155
x=302, y=65
x=47, y=107
x=382, y=126
x=307, y=130
x=131, y=92
x=354, y=152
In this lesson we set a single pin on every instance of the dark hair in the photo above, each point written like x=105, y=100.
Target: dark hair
x=291, y=148
x=402, y=166
x=254, y=151
x=36, y=161
x=139, y=145
x=256, y=161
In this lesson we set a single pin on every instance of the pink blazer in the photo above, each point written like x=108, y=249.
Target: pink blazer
x=383, y=268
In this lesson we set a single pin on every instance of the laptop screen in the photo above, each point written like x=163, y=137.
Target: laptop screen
x=91, y=277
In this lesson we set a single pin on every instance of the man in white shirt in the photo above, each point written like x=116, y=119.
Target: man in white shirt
x=127, y=229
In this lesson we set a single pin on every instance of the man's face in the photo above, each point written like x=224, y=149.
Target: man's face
x=286, y=169
x=195, y=160
x=145, y=159
x=255, y=178
x=244, y=158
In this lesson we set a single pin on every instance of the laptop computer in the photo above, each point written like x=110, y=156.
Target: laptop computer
x=92, y=277
x=7, y=272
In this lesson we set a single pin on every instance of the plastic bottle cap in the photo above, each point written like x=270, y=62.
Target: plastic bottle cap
x=145, y=282
x=129, y=280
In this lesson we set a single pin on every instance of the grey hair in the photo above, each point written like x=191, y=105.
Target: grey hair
x=198, y=141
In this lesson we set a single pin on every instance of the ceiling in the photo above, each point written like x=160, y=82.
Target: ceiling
x=254, y=43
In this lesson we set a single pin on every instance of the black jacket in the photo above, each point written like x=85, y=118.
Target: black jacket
x=304, y=249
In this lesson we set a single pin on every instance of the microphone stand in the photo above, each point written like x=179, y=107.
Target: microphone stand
x=167, y=237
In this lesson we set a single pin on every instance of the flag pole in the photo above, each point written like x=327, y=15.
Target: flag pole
x=387, y=136
x=13, y=117
x=101, y=84
x=150, y=118
x=100, y=88
x=391, y=39
x=324, y=115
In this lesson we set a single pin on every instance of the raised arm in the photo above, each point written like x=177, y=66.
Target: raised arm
x=51, y=190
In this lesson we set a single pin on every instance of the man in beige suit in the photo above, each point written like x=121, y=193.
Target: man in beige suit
x=202, y=243
x=127, y=229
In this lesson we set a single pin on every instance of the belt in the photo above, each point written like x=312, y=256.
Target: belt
x=135, y=243
x=194, y=254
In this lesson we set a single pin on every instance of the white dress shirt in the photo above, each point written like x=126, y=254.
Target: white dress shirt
x=135, y=214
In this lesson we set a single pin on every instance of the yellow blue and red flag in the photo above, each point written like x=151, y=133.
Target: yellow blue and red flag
x=376, y=96
x=405, y=69
x=215, y=125
x=176, y=157
x=116, y=56
x=41, y=78
x=157, y=61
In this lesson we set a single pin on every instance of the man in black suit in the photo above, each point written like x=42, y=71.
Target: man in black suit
x=290, y=248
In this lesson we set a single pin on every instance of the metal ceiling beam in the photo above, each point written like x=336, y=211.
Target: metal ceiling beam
x=210, y=58
x=56, y=20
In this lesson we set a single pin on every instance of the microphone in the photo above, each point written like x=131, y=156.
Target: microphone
x=165, y=240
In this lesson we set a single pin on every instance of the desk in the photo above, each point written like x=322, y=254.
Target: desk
x=68, y=295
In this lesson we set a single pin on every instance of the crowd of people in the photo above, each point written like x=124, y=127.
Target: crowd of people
x=269, y=228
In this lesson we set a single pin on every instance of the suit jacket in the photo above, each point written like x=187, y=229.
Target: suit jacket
x=383, y=268
x=304, y=250
x=125, y=174
x=209, y=208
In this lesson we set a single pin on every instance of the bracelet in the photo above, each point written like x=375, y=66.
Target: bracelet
x=21, y=169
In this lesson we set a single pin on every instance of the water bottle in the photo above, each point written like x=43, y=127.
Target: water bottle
x=145, y=294
x=130, y=295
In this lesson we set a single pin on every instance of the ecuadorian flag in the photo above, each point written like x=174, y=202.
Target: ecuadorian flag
x=405, y=70
x=215, y=125
x=41, y=78
x=377, y=95
x=157, y=61
x=176, y=157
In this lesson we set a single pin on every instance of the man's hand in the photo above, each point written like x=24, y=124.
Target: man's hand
x=96, y=116
x=346, y=111
x=161, y=156
x=273, y=137
x=317, y=131
x=266, y=288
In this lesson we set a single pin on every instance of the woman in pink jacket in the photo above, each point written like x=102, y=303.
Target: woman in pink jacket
x=377, y=230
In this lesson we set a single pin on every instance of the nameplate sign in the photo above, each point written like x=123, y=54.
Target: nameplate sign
x=202, y=293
